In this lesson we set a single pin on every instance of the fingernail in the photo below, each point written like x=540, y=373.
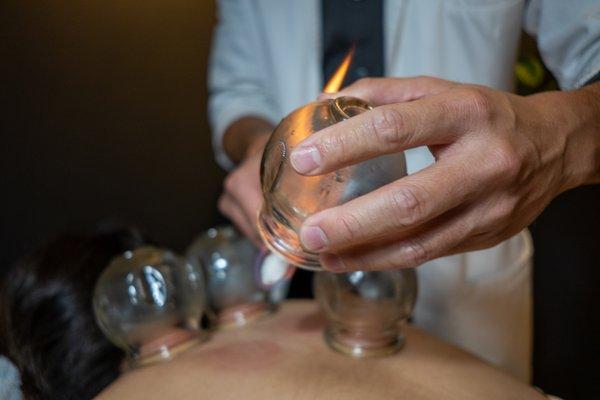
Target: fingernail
x=313, y=238
x=333, y=263
x=305, y=159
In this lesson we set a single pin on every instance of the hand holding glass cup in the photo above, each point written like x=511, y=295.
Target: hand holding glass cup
x=290, y=198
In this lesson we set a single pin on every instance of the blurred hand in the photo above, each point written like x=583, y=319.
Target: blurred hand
x=500, y=159
x=242, y=197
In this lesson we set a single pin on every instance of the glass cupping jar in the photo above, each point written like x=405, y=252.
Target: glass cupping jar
x=290, y=198
x=366, y=310
x=149, y=302
x=236, y=286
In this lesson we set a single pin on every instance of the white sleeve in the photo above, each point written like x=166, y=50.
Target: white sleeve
x=238, y=79
x=568, y=37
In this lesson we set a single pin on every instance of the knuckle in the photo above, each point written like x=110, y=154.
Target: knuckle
x=426, y=80
x=334, y=147
x=408, y=205
x=230, y=183
x=415, y=253
x=479, y=103
x=358, y=262
x=501, y=214
x=466, y=228
x=506, y=161
x=351, y=227
x=387, y=125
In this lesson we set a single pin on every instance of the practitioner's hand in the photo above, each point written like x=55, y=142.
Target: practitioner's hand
x=500, y=159
x=242, y=197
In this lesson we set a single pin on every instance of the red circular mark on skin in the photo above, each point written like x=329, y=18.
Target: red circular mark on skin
x=314, y=321
x=243, y=355
x=309, y=322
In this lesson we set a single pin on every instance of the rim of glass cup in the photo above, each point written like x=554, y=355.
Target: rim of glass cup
x=167, y=351
x=243, y=314
x=350, y=343
x=346, y=107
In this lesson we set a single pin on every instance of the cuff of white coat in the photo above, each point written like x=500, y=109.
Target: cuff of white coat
x=228, y=115
x=595, y=78
x=591, y=76
x=580, y=70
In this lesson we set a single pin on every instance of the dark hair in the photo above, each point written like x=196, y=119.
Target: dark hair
x=47, y=326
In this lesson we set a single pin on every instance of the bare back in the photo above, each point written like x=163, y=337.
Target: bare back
x=283, y=356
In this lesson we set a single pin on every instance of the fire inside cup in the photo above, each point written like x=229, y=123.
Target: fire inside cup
x=290, y=198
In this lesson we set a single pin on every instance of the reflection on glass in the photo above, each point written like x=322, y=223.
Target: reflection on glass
x=242, y=282
x=290, y=197
x=149, y=303
x=366, y=310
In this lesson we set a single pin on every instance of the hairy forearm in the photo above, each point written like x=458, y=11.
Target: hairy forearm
x=575, y=117
x=245, y=136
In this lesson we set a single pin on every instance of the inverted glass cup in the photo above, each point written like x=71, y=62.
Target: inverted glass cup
x=290, y=198
x=149, y=303
x=236, y=289
x=366, y=310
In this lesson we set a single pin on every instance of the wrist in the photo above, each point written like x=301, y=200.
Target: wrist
x=591, y=137
x=571, y=132
x=245, y=137
x=582, y=153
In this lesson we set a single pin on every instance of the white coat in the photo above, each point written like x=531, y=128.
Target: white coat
x=266, y=61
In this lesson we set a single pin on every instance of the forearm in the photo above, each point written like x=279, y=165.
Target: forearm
x=590, y=133
x=246, y=136
x=575, y=117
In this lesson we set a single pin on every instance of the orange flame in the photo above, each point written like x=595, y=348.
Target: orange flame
x=336, y=80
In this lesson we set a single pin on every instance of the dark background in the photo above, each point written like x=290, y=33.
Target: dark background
x=103, y=116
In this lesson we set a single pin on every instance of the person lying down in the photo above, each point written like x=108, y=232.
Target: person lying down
x=49, y=336
x=47, y=326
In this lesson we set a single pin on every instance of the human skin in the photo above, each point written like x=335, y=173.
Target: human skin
x=284, y=356
x=500, y=159
x=244, y=142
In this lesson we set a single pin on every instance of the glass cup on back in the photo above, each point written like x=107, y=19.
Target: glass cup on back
x=290, y=198
x=366, y=310
x=149, y=302
x=237, y=290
